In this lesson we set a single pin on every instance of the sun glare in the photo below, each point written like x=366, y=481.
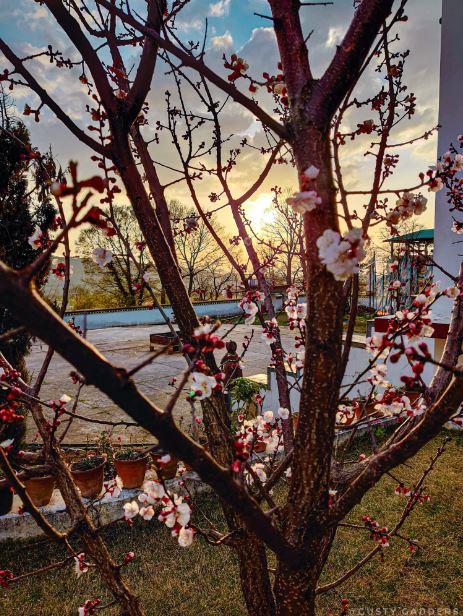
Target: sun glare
x=260, y=211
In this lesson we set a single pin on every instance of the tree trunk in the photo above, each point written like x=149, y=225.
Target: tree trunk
x=295, y=587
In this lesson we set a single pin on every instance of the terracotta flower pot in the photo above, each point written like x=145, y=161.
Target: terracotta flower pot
x=412, y=396
x=350, y=419
x=89, y=482
x=259, y=447
x=6, y=497
x=132, y=472
x=40, y=489
x=165, y=471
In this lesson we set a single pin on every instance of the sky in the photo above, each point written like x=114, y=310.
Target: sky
x=232, y=27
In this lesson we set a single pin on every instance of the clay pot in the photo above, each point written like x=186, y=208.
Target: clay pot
x=132, y=472
x=348, y=420
x=40, y=489
x=165, y=471
x=6, y=497
x=259, y=447
x=412, y=396
x=90, y=482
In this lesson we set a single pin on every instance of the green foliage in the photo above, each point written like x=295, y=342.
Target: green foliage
x=129, y=454
x=243, y=389
x=87, y=463
x=24, y=204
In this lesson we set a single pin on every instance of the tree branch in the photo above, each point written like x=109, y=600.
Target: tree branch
x=48, y=100
x=190, y=61
x=29, y=308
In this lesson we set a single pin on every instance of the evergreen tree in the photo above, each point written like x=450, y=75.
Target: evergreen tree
x=24, y=204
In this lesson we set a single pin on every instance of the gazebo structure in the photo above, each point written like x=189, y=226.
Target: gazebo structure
x=412, y=253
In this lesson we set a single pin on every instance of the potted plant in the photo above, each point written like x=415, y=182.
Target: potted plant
x=413, y=392
x=39, y=484
x=164, y=470
x=6, y=495
x=243, y=392
x=131, y=466
x=88, y=474
x=259, y=447
x=349, y=412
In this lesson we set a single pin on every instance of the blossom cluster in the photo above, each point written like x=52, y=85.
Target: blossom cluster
x=175, y=511
x=262, y=433
x=9, y=408
x=341, y=255
x=237, y=66
x=393, y=402
x=406, y=206
x=270, y=331
x=89, y=607
x=250, y=306
x=5, y=577
x=377, y=534
x=307, y=199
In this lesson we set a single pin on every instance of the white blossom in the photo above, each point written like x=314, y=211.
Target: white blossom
x=101, y=256
x=131, y=510
x=311, y=173
x=304, y=201
x=80, y=566
x=283, y=412
x=147, y=512
x=202, y=385
x=36, y=238
x=186, y=537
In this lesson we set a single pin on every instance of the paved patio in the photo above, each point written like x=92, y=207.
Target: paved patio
x=127, y=347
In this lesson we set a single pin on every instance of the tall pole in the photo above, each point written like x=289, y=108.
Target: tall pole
x=447, y=249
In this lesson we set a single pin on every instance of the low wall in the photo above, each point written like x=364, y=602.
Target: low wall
x=124, y=317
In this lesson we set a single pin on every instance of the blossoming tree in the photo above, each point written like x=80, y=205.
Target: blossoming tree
x=305, y=130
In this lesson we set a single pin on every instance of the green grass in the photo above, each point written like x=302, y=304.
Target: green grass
x=282, y=319
x=203, y=580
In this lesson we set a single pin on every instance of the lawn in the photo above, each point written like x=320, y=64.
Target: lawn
x=202, y=580
x=360, y=326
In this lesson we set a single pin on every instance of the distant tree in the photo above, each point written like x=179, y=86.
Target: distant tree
x=205, y=270
x=120, y=280
x=24, y=205
x=283, y=238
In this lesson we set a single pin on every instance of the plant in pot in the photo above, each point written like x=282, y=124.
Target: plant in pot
x=88, y=474
x=412, y=389
x=6, y=495
x=349, y=412
x=131, y=465
x=243, y=394
x=39, y=484
x=164, y=463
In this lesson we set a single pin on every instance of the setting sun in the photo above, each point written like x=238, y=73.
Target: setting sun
x=260, y=211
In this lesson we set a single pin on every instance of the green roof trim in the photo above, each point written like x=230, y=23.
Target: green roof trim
x=424, y=235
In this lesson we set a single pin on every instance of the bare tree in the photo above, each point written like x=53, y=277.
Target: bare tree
x=120, y=277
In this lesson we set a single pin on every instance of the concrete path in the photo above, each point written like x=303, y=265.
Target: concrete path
x=127, y=347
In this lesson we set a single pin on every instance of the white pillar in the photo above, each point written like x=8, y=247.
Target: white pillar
x=447, y=253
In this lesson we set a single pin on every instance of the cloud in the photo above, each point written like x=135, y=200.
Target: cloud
x=220, y=8
x=223, y=41
x=335, y=34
